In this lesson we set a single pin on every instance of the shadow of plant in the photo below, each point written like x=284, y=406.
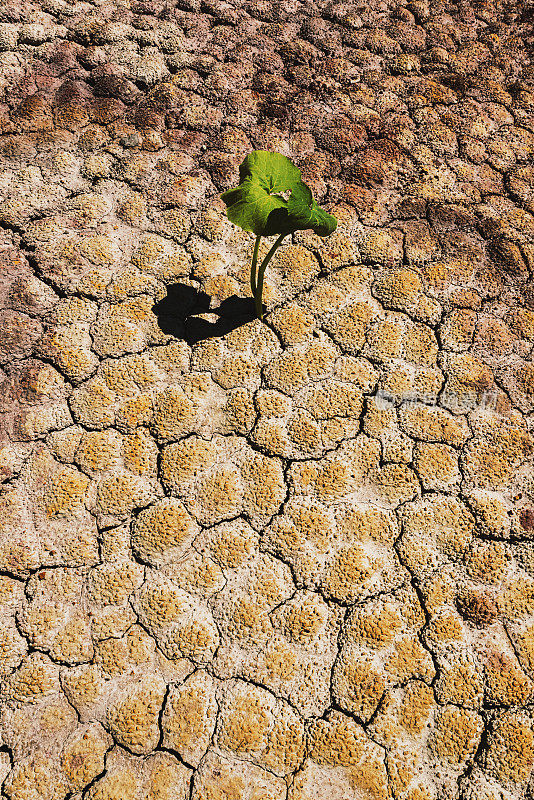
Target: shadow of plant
x=178, y=312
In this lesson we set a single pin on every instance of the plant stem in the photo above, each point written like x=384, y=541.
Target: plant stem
x=253, y=267
x=259, y=288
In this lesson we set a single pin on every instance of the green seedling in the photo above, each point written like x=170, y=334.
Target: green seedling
x=272, y=200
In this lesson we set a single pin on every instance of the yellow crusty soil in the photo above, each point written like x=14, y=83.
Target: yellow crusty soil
x=280, y=561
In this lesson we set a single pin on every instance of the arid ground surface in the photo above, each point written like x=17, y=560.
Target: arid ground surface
x=280, y=561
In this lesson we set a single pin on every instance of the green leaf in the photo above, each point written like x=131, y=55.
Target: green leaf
x=273, y=171
x=305, y=213
x=257, y=204
x=249, y=206
x=263, y=176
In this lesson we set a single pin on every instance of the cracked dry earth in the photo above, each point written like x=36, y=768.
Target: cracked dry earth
x=281, y=561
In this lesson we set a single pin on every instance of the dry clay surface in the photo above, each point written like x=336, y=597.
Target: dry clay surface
x=281, y=561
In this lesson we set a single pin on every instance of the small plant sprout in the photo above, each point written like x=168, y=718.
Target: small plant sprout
x=272, y=200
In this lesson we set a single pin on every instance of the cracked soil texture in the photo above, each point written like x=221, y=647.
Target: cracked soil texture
x=280, y=561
